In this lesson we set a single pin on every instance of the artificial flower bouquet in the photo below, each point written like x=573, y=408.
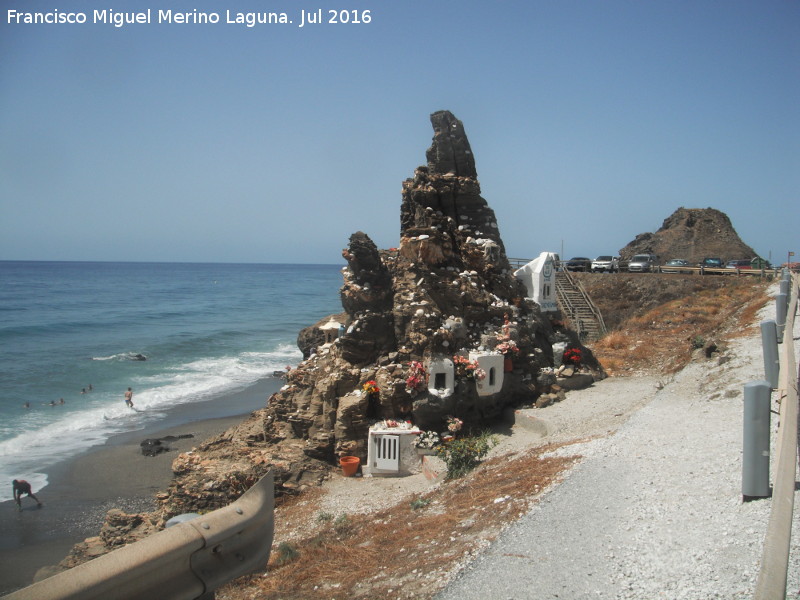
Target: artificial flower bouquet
x=572, y=356
x=417, y=378
x=454, y=424
x=426, y=440
x=468, y=368
x=391, y=424
x=508, y=348
x=371, y=387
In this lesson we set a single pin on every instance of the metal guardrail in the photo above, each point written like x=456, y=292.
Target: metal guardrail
x=184, y=562
x=687, y=270
x=772, y=576
x=722, y=271
x=516, y=263
x=601, y=324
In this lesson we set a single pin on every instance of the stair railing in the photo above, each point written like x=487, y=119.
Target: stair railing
x=571, y=308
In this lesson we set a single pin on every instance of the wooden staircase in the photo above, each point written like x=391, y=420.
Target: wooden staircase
x=576, y=305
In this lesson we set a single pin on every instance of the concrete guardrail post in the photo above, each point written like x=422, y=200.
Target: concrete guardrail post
x=755, y=455
x=781, y=306
x=784, y=286
x=769, y=346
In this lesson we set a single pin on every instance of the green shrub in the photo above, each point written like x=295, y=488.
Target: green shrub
x=285, y=553
x=418, y=503
x=342, y=524
x=462, y=455
x=324, y=517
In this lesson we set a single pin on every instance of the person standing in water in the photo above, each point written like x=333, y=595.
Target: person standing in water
x=129, y=397
x=20, y=487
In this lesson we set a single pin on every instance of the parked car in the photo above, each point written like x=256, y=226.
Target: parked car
x=605, y=263
x=738, y=264
x=711, y=263
x=643, y=263
x=674, y=266
x=579, y=263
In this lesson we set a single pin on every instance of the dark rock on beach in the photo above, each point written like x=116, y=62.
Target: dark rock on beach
x=155, y=446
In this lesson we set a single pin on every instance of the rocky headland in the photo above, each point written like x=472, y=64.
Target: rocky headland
x=691, y=234
x=444, y=301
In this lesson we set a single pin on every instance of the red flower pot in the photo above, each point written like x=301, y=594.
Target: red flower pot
x=349, y=465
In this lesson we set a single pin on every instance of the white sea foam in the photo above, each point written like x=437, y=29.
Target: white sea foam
x=38, y=446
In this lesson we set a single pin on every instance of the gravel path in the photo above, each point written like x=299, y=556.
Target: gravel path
x=654, y=510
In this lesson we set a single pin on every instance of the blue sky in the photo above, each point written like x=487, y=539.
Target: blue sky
x=590, y=121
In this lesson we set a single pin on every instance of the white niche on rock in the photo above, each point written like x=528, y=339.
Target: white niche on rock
x=391, y=452
x=539, y=277
x=493, y=365
x=441, y=377
x=331, y=331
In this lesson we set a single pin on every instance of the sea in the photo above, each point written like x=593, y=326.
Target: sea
x=178, y=334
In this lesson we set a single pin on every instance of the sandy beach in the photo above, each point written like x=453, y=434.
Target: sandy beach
x=82, y=490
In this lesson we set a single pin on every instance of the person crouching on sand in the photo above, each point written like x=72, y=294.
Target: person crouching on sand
x=23, y=487
x=129, y=397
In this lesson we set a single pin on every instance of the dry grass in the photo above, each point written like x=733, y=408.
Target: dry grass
x=407, y=551
x=614, y=366
x=618, y=340
x=663, y=339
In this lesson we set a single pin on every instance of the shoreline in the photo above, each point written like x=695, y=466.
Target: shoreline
x=82, y=489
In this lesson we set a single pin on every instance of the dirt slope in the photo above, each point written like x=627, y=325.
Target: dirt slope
x=655, y=321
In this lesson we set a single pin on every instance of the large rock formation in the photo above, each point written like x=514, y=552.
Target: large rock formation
x=692, y=234
x=418, y=319
x=446, y=291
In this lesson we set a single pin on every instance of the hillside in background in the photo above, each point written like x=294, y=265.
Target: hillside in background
x=691, y=234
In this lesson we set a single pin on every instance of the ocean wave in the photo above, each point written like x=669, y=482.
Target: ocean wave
x=209, y=377
x=35, y=447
